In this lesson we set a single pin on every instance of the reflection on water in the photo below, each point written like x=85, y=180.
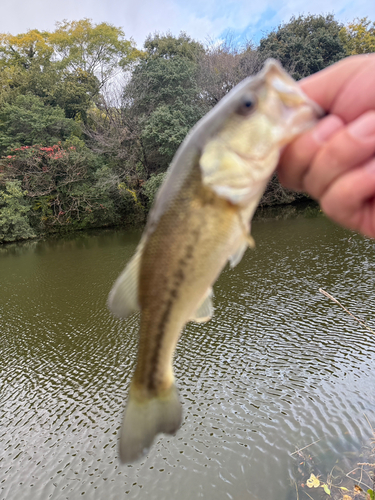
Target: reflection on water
x=279, y=366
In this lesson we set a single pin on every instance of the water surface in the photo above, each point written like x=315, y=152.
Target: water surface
x=278, y=367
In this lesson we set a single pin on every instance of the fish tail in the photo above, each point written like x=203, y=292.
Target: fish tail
x=144, y=419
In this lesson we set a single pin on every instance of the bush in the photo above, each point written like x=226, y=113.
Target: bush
x=151, y=187
x=14, y=223
x=28, y=121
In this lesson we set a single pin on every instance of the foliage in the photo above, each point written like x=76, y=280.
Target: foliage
x=75, y=93
x=25, y=50
x=66, y=67
x=358, y=37
x=157, y=81
x=14, y=223
x=305, y=44
x=28, y=121
x=43, y=169
x=151, y=187
x=222, y=66
x=167, y=46
x=89, y=124
x=166, y=128
x=98, y=50
x=164, y=96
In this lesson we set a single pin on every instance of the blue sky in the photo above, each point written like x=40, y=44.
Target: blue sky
x=201, y=19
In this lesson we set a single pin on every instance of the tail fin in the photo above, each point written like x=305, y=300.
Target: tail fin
x=143, y=420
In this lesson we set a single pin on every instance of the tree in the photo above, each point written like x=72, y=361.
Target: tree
x=25, y=50
x=163, y=98
x=66, y=67
x=75, y=93
x=167, y=46
x=223, y=66
x=98, y=50
x=358, y=37
x=14, y=223
x=28, y=121
x=65, y=184
x=305, y=44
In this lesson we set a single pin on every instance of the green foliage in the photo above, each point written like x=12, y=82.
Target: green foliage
x=166, y=128
x=61, y=181
x=83, y=155
x=28, y=121
x=14, y=223
x=358, y=37
x=151, y=187
x=94, y=49
x=75, y=93
x=25, y=50
x=305, y=44
x=167, y=46
x=164, y=98
x=158, y=81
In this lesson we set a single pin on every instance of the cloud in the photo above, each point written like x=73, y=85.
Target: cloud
x=201, y=19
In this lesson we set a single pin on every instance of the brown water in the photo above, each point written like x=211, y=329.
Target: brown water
x=279, y=366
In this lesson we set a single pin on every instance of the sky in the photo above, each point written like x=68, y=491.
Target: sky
x=203, y=20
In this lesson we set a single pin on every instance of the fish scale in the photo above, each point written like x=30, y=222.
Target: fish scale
x=179, y=281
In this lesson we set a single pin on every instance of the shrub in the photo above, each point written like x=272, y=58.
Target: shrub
x=14, y=223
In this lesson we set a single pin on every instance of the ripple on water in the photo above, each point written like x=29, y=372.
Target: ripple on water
x=279, y=366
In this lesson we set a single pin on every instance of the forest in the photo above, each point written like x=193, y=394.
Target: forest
x=89, y=123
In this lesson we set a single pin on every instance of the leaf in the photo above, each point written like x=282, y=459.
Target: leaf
x=357, y=488
x=343, y=488
x=313, y=481
x=326, y=489
x=371, y=494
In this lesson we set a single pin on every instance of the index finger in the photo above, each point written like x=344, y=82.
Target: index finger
x=346, y=88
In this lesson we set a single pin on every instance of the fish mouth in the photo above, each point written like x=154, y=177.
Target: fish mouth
x=249, y=158
x=294, y=96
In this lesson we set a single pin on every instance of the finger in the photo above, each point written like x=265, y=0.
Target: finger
x=297, y=157
x=349, y=147
x=338, y=86
x=351, y=200
x=358, y=95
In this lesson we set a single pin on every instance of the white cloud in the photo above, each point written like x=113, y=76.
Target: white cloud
x=201, y=19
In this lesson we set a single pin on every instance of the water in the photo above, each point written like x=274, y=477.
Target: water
x=278, y=367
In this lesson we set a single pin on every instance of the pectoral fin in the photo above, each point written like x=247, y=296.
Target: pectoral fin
x=123, y=298
x=205, y=310
x=237, y=256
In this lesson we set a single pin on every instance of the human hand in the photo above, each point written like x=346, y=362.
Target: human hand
x=335, y=161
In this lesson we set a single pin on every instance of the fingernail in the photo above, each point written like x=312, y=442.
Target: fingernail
x=363, y=127
x=326, y=128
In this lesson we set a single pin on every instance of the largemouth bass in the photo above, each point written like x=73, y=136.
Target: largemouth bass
x=199, y=221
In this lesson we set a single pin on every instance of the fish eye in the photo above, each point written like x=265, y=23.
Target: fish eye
x=247, y=105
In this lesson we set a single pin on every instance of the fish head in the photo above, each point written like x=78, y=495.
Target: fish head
x=247, y=132
x=267, y=111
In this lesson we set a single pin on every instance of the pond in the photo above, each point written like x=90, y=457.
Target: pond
x=278, y=367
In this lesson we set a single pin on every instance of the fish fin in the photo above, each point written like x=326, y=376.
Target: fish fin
x=123, y=298
x=238, y=254
x=143, y=420
x=250, y=241
x=206, y=309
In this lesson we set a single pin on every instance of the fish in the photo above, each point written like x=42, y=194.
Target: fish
x=200, y=220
